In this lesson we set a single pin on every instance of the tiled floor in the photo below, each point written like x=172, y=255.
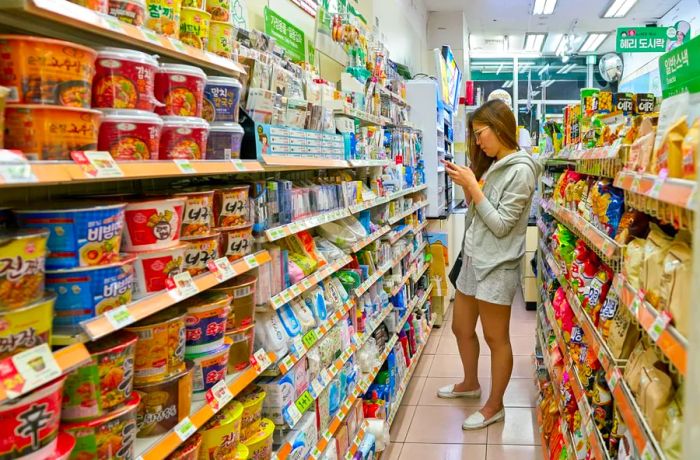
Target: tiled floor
x=427, y=427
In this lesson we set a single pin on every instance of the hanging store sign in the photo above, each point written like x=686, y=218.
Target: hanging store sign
x=651, y=39
x=288, y=36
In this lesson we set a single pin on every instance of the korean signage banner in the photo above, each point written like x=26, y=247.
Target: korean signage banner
x=288, y=36
x=652, y=39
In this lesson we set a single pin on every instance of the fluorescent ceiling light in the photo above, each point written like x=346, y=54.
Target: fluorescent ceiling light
x=534, y=42
x=543, y=70
x=547, y=83
x=566, y=69
x=592, y=42
x=500, y=67
x=507, y=84
x=619, y=8
x=563, y=45
x=544, y=7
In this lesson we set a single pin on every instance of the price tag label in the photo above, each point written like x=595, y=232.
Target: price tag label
x=119, y=317
x=287, y=295
x=293, y=414
x=97, y=164
x=316, y=387
x=306, y=284
x=151, y=36
x=659, y=326
x=14, y=168
x=614, y=379
x=298, y=345
x=185, y=428
x=251, y=261
x=659, y=182
x=112, y=23
x=295, y=290
x=310, y=338
x=636, y=181
x=221, y=268
x=238, y=165
x=262, y=359
x=27, y=370
x=601, y=355
x=304, y=402
x=219, y=395
x=178, y=45
x=637, y=303
x=185, y=166
x=181, y=286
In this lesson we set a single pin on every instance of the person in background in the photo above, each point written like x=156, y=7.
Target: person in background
x=498, y=187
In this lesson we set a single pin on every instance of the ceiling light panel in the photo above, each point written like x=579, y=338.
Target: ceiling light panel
x=619, y=8
x=543, y=7
x=534, y=42
x=592, y=42
x=563, y=43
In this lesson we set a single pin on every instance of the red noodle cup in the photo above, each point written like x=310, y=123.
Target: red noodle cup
x=153, y=223
x=200, y=251
x=130, y=134
x=231, y=207
x=184, y=138
x=181, y=89
x=199, y=213
x=236, y=243
x=128, y=11
x=124, y=79
x=153, y=268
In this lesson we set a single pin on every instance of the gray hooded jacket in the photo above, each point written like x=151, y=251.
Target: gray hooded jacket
x=500, y=220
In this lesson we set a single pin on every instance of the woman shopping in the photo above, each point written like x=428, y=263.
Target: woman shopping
x=499, y=187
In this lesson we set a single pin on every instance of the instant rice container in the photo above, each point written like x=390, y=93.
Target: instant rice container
x=200, y=251
x=124, y=79
x=231, y=207
x=181, y=89
x=236, y=242
x=22, y=437
x=26, y=327
x=205, y=323
x=224, y=142
x=128, y=11
x=45, y=132
x=209, y=368
x=222, y=96
x=86, y=292
x=259, y=439
x=252, y=402
x=184, y=138
x=82, y=233
x=153, y=268
x=130, y=134
x=189, y=450
x=153, y=223
x=96, y=388
x=221, y=39
x=100, y=6
x=111, y=436
x=194, y=27
x=242, y=343
x=22, y=273
x=25, y=70
x=242, y=289
x=160, y=349
x=164, y=404
x=163, y=17
x=198, y=216
x=222, y=433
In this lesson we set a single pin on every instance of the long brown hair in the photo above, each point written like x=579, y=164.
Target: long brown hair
x=498, y=116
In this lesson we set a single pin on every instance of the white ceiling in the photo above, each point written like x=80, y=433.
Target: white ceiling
x=489, y=20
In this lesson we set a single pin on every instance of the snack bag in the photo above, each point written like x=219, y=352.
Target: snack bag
x=633, y=223
x=607, y=204
x=655, y=250
x=669, y=156
x=676, y=284
x=607, y=312
x=634, y=259
x=602, y=404
x=597, y=292
x=689, y=150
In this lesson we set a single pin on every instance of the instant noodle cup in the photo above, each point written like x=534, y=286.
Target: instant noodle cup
x=86, y=292
x=184, y=138
x=235, y=243
x=106, y=382
x=153, y=223
x=163, y=17
x=231, y=207
x=160, y=350
x=189, y=450
x=198, y=4
x=224, y=142
x=198, y=216
x=194, y=27
x=23, y=256
x=222, y=434
x=209, y=368
x=205, y=323
x=222, y=96
x=129, y=11
x=242, y=289
x=101, y=6
x=29, y=428
x=45, y=132
x=164, y=404
x=64, y=446
x=81, y=233
x=220, y=10
x=3, y=98
x=46, y=71
x=181, y=89
x=252, y=405
x=259, y=439
x=153, y=268
x=221, y=38
x=124, y=79
x=241, y=348
x=130, y=134
x=26, y=327
x=200, y=251
x=110, y=436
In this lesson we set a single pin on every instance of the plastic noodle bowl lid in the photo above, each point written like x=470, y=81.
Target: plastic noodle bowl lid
x=184, y=122
x=182, y=69
x=109, y=52
x=224, y=81
x=130, y=116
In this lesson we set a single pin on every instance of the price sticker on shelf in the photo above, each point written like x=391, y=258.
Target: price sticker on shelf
x=614, y=379
x=221, y=268
x=316, y=387
x=219, y=395
x=636, y=181
x=262, y=360
x=27, y=370
x=14, y=168
x=97, y=164
x=304, y=401
x=251, y=260
x=177, y=45
x=659, y=326
x=298, y=345
x=112, y=23
x=306, y=284
x=295, y=290
x=296, y=227
x=637, y=303
x=119, y=317
x=292, y=414
x=659, y=182
x=287, y=295
x=185, y=166
x=238, y=165
x=310, y=338
x=184, y=429
x=151, y=36
x=181, y=286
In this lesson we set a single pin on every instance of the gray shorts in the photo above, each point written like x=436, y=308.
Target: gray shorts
x=499, y=286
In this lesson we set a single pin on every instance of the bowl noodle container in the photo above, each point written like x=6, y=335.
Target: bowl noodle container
x=130, y=134
x=222, y=434
x=258, y=439
x=222, y=96
x=242, y=289
x=236, y=243
x=209, y=368
x=231, y=206
x=184, y=138
x=198, y=217
x=242, y=343
x=124, y=79
x=26, y=327
x=22, y=261
x=205, y=323
x=180, y=89
x=164, y=404
x=163, y=17
x=153, y=223
x=189, y=450
x=201, y=250
x=194, y=27
x=153, y=268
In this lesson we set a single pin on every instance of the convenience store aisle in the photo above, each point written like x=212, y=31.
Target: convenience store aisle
x=429, y=427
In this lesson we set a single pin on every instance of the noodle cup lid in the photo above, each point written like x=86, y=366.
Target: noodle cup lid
x=226, y=128
x=228, y=81
x=110, y=52
x=133, y=116
x=182, y=69
x=185, y=122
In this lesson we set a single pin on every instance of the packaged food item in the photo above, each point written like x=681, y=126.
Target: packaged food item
x=200, y=251
x=259, y=439
x=252, y=401
x=153, y=223
x=243, y=341
x=22, y=273
x=205, y=323
x=81, y=233
x=222, y=97
x=220, y=10
x=194, y=27
x=676, y=285
x=242, y=290
x=209, y=368
x=163, y=16
x=181, y=89
x=153, y=268
x=184, y=138
x=634, y=260
x=111, y=436
x=597, y=292
x=672, y=429
x=689, y=150
x=103, y=384
x=224, y=141
x=633, y=224
x=86, y=292
x=129, y=11
x=624, y=102
x=130, y=134
x=198, y=4
x=24, y=71
x=45, y=132
x=4, y=92
x=235, y=243
x=160, y=350
x=189, y=450
x=26, y=327
x=669, y=157
x=655, y=393
x=623, y=334
x=644, y=103
x=124, y=79
x=198, y=217
x=164, y=404
x=101, y=6
x=655, y=250
x=231, y=207
x=589, y=101
x=221, y=435
x=221, y=39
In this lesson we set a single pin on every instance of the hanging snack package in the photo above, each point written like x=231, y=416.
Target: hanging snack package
x=689, y=150
x=597, y=292
x=633, y=224
x=655, y=250
x=672, y=431
x=655, y=393
x=623, y=334
x=633, y=264
x=676, y=284
x=669, y=155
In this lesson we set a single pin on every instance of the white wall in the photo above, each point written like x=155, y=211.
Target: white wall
x=402, y=24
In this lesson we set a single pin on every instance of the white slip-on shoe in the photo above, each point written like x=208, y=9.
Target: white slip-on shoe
x=448, y=392
x=476, y=421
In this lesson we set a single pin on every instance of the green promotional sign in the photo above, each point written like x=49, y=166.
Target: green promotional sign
x=288, y=36
x=642, y=39
x=679, y=69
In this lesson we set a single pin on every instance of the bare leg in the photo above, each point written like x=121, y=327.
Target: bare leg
x=465, y=315
x=495, y=320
